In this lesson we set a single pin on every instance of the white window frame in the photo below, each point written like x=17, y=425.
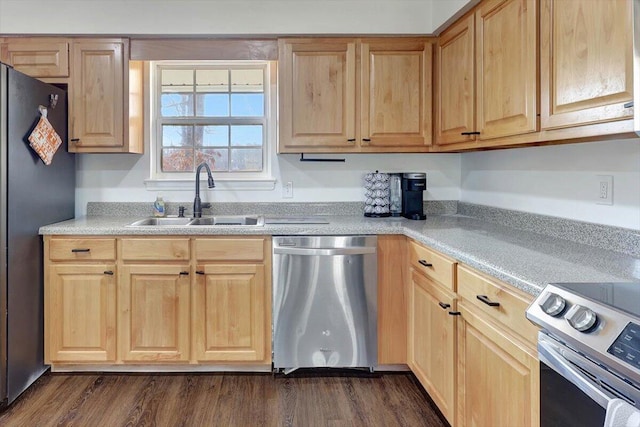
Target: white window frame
x=224, y=180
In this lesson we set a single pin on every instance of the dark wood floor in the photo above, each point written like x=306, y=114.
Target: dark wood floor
x=222, y=400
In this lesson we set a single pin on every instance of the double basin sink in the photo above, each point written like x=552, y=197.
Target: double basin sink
x=219, y=220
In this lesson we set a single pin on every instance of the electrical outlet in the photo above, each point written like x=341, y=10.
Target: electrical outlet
x=604, y=190
x=287, y=190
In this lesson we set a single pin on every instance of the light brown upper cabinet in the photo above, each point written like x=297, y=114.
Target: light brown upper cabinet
x=355, y=95
x=37, y=57
x=101, y=117
x=486, y=74
x=586, y=61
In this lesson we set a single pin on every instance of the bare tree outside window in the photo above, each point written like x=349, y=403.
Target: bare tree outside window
x=211, y=114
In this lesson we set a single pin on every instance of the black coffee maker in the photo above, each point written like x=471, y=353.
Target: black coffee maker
x=413, y=184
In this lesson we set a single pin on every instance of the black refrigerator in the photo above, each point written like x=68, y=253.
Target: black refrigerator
x=32, y=194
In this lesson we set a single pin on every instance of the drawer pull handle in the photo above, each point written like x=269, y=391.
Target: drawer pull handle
x=425, y=263
x=487, y=301
x=351, y=140
x=80, y=250
x=184, y=273
x=366, y=139
x=444, y=305
x=75, y=139
x=469, y=133
x=199, y=272
x=628, y=105
x=455, y=313
x=108, y=272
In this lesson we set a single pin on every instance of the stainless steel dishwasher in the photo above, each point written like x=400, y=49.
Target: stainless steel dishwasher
x=324, y=302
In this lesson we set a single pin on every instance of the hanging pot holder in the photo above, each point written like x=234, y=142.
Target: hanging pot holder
x=44, y=139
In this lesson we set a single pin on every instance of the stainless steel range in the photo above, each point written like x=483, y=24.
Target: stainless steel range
x=589, y=350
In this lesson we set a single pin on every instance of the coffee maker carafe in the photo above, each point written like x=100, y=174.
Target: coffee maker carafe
x=413, y=185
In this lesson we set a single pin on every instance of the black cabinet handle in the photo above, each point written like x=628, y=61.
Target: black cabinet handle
x=444, y=305
x=80, y=250
x=425, y=263
x=366, y=139
x=455, y=313
x=184, y=273
x=75, y=139
x=351, y=140
x=487, y=301
x=469, y=133
x=108, y=272
x=199, y=272
x=628, y=105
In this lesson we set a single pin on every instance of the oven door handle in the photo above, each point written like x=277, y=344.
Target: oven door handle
x=558, y=363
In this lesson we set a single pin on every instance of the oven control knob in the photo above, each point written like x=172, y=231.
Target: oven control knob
x=552, y=304
x=581, y=318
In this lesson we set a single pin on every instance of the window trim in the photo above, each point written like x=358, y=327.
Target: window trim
x=227, y=180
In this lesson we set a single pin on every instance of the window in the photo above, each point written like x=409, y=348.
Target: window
x=213, y=112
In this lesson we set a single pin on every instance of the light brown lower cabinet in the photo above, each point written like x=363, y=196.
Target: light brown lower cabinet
x=432, y=341
x=229, y=313
x=498, y=377
x=173, y=300
x=80, y=307
x=154, y=312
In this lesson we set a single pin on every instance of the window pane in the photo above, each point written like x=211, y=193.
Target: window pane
x=246, y=135
x=247, y=104
x=177, y=136
x=212, y=81
x=177, y=160
x=217, y=159
x=212, y=105
x=177, y=80
x=247, y=81
x=176, y=104
x=212, y=136
x=246, y=160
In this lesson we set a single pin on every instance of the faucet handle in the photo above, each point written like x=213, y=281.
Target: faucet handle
x=181, y=211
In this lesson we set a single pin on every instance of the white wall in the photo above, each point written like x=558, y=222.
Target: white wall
x=442, y=11
x=118, y=177
x=558, y=180
x=216, y=17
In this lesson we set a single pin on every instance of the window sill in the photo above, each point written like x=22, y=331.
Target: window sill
x=266, y=184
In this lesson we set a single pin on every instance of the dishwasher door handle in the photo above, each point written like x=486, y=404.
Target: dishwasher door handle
x=353, y=250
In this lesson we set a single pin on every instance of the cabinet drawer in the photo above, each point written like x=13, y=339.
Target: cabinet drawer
x=82, y=249
x=234, y=249
x=511, y=303
x=433, y=265
x=152, y=249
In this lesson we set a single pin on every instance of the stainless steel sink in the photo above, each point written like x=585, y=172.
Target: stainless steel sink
x=162, y=222
x=219, y=220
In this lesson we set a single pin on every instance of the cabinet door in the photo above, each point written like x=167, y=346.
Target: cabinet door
x=498, y=379
x=455, y=84
x=432, y=340
x=586, y=61
x=317, y=95
x=506, y=61
x=154, y=313
x=37, y=57
x=80, y=313
x=229, y=322
x=396, y=94
x=96, y=95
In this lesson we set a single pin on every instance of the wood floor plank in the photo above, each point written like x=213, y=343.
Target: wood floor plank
x=222, y=399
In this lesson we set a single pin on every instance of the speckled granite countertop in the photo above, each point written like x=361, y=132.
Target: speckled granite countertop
x=524, y=259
